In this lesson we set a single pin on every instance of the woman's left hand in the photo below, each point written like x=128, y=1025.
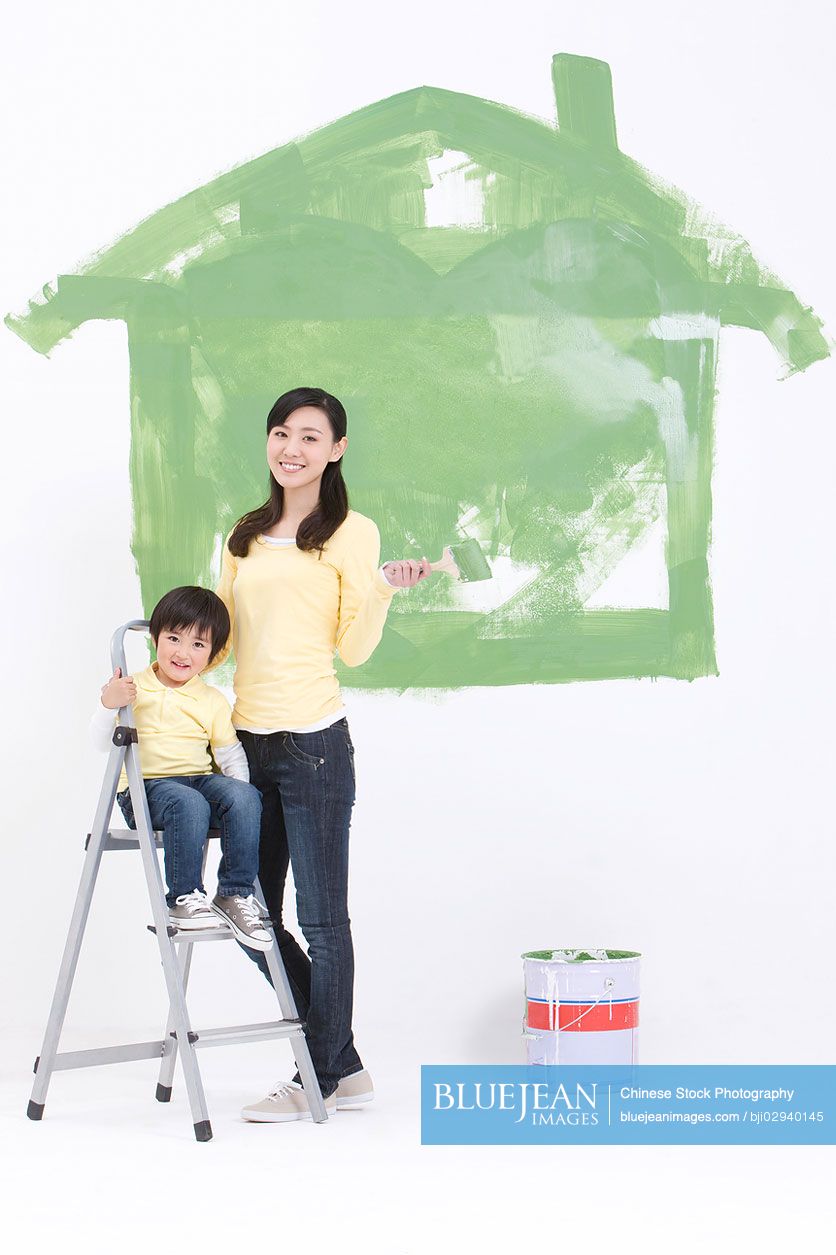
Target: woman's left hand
x=406, y=573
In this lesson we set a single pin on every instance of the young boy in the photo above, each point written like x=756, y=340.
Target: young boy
x=179, y=719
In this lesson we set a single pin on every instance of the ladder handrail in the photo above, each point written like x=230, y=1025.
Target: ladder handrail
x=117, y=659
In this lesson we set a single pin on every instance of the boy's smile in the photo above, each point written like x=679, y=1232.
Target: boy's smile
x=181, y=655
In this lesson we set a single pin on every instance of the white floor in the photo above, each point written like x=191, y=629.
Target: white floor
x=109, y=1165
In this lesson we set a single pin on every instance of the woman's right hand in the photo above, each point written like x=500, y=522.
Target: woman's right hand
x=118, y=691
x=407, y=572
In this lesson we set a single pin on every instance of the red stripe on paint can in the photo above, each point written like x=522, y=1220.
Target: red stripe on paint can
x=574, y=1017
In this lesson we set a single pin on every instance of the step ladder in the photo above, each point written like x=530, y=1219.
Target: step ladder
x=178, y=1038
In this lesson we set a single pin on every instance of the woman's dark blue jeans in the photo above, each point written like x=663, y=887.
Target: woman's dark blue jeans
x=306, y=780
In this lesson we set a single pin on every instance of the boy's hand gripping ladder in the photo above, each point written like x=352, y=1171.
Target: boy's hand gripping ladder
x=179, y=1037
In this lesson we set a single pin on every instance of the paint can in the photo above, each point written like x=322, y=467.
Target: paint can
x=581, y=1006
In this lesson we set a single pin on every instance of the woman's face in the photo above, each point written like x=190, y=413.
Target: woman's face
x=300, y=449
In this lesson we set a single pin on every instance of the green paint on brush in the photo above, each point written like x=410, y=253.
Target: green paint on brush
x=470, y=561
x=526, y=346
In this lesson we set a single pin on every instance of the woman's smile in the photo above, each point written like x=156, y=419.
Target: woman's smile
x=308, y=429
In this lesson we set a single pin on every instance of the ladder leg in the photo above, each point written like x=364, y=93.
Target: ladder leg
x=301, y=1053
x=171, y=967
x=72, y=947
x=165, y=1080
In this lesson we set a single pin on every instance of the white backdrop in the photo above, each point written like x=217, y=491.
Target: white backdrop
x=689, y=821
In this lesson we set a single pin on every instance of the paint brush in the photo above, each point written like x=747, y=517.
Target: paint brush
x=464, y=562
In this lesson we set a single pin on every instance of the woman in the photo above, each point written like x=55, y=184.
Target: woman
x=300, y=579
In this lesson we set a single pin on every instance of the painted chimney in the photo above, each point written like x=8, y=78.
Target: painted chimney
x=583, y=93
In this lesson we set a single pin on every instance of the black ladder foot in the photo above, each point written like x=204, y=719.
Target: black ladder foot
x=164, y=1094
x=36, y=1109
x=203, y=1131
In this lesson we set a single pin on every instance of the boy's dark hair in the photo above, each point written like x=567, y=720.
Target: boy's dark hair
x=192, y=607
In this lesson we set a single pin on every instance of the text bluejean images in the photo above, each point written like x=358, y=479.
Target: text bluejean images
x=653, y=1104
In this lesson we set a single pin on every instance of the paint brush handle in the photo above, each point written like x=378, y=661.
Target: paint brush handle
x=446, y=563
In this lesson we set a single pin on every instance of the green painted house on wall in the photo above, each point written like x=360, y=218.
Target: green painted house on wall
x=523, y=325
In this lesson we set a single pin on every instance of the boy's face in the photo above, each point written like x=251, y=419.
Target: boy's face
x=181, y=655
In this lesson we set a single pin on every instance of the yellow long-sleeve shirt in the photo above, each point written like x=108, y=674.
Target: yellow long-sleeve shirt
x=290, y=612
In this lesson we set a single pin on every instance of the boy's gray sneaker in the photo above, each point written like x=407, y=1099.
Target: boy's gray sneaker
x=354, y=1089
x=244, y=918
x=191, y=911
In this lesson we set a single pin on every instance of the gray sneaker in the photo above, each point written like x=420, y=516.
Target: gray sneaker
x=192, y=911
x=354, y=1089
x=244, y=918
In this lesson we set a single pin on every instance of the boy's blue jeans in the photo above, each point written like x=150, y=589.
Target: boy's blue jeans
x=307, y=786
x=184, y=808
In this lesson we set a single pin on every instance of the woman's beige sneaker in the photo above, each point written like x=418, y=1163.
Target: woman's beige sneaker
x=285, y=1102
x=354, y=1089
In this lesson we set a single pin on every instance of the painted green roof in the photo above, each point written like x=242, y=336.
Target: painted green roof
x=369, y=170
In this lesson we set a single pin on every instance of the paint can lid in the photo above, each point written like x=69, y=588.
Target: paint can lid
x=582, y=956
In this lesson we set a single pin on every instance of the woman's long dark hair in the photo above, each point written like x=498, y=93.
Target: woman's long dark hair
x=319, y=526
